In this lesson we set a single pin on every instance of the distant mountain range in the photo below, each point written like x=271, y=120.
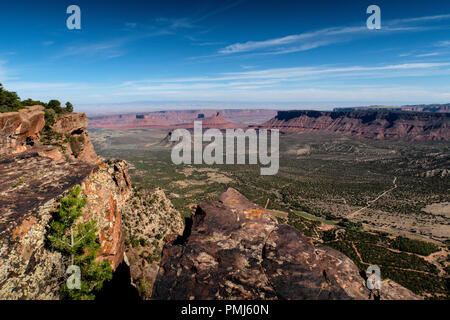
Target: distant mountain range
x=227, y=118
x=418, y=122
x=372, y=124
x=416, y=108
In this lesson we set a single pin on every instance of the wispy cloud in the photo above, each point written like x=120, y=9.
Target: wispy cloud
x=302, y=84
x=287, y=40
x=107, y=49
x=131, y=25
x=430, y=54
x=307, y=73
x=445, y=43
x=220, y=9
x=420, y=19
x=6, y=73
x=3, y=73
x=324, y=37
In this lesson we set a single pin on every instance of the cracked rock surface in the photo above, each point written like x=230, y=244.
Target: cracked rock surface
x=235, y=250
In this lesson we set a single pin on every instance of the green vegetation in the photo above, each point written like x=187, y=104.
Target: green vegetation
x=337, y=177
x=409, y=270
x=76, y=144
x=350, y=224
x=55, y=105
x=415, y=246
x=69, y=107
x=10, y=102
x=78, y=242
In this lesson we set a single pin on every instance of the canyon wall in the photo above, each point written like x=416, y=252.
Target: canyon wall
x=366, y=124
x=34, y=177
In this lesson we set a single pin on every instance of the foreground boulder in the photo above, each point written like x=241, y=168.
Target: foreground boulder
x=235, y=250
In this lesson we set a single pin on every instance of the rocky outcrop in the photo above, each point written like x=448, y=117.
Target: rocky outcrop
x=20, y=130
x=415, y=108
x=149, y=217
x=215, y=121
x=235, y=250
x=169, y=119
x=367, y=124
x=107, y=190
x=76, y=145
x=32, y=183
x=29, y=192
x=23, y=130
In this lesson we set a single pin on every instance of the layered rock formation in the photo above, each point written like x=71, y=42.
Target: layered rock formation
x=235, y=250
x=76, y=144
x=367, y=124
x=148, y=219
x=31, y=184
x=30, y=188
x=20, y=130
x=415, y=108
x=172, y=118
x=215, y=121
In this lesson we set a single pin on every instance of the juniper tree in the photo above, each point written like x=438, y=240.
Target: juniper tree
x=78, y=242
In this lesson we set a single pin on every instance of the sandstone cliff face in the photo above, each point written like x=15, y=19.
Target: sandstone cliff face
x=171, y=118
x=20, y=130
x=77, y=145
x=367, y=124
x=149, y=217
x=235, y=250
x=108, y=189
x=31, y=184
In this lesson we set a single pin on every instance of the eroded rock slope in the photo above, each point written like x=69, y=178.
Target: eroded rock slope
x=235, y=250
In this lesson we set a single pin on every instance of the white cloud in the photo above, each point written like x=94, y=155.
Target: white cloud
x=324, y=37
x=421, y=19
x=305, y=84
x=4, y=73
x=306, y=73
x=131, y=25
x=430, y=54
x=318, y=84
x=288, y=40
x=445, y=43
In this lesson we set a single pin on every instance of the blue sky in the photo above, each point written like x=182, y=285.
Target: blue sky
x=233, y=53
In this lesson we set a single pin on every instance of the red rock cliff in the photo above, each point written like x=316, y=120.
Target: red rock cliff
x=31, y=184
x=367, y=124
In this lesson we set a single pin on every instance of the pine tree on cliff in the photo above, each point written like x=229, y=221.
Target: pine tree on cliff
x=9, y=101
x=56, y=106
x=78, y=243
x=69, y=107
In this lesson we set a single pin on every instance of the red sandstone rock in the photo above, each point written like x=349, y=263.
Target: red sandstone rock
x=20, y=130
x=367, y=124
x=235, y=250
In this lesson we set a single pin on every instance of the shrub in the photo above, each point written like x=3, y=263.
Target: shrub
x=9, y=101
x=79, y=243
x=56, y=106
x=69, y=107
